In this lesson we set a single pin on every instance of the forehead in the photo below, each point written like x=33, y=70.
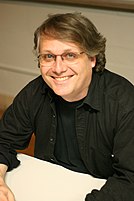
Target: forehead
x=54, y=45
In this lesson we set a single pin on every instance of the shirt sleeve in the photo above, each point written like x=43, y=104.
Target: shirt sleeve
x=15, y=130
x=120, y=187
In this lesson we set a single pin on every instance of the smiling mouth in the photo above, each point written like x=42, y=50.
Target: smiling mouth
x=62, y=78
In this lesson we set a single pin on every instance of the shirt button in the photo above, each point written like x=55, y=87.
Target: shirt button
x=51, y=139
x=52, y=159
x=54, y=115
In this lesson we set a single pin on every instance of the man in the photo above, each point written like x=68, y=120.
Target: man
x=82, y=115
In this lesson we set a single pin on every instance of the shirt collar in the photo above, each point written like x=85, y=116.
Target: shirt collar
x=93, y=98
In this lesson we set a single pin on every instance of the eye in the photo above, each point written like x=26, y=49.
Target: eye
x=48, y=56
x=70, y=55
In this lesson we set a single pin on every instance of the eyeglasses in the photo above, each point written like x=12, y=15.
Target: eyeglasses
x=48, y=59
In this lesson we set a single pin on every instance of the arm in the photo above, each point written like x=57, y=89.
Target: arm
x=15, y=130
x=13, y=134
x=5, y=192
x=120, y=186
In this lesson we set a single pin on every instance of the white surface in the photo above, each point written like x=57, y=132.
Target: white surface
x=37, y=180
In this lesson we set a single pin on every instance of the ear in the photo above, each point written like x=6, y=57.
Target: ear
x=93, y=61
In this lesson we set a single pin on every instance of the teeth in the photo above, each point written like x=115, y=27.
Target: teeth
x=61, y=78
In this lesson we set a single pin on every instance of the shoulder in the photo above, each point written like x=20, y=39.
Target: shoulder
x=38, y=82
x=34, y=90
x=117, y=88
x=115, y=83
x=35, y=85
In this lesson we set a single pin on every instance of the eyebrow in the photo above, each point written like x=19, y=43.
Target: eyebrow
x=64, y=51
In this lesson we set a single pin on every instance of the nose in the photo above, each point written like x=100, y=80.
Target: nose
x=59, y=66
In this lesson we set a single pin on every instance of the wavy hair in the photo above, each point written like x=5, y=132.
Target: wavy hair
x=75, y=28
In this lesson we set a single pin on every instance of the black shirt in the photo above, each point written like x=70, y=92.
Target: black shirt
x=66, y=148
x=104, y=129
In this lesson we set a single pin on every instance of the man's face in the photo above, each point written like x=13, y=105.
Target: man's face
x=68, y=80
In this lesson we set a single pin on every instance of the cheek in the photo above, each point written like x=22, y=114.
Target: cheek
x=43, y=71
x=44, y=74
x=86, y=74
x=85, y=69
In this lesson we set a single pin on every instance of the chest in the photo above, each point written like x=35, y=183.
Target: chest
x=94, y=133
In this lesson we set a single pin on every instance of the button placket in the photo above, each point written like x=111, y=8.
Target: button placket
x=52, y=138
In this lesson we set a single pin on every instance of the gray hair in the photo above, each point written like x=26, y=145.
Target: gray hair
x=75, y=28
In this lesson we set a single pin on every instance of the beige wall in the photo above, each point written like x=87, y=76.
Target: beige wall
x=18, y=22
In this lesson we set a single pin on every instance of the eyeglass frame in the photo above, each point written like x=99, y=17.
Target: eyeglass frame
x=63, y=57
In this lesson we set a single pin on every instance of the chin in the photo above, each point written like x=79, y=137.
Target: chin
x=61, y=93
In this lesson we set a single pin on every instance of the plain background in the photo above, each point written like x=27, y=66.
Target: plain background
x=18, y=21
